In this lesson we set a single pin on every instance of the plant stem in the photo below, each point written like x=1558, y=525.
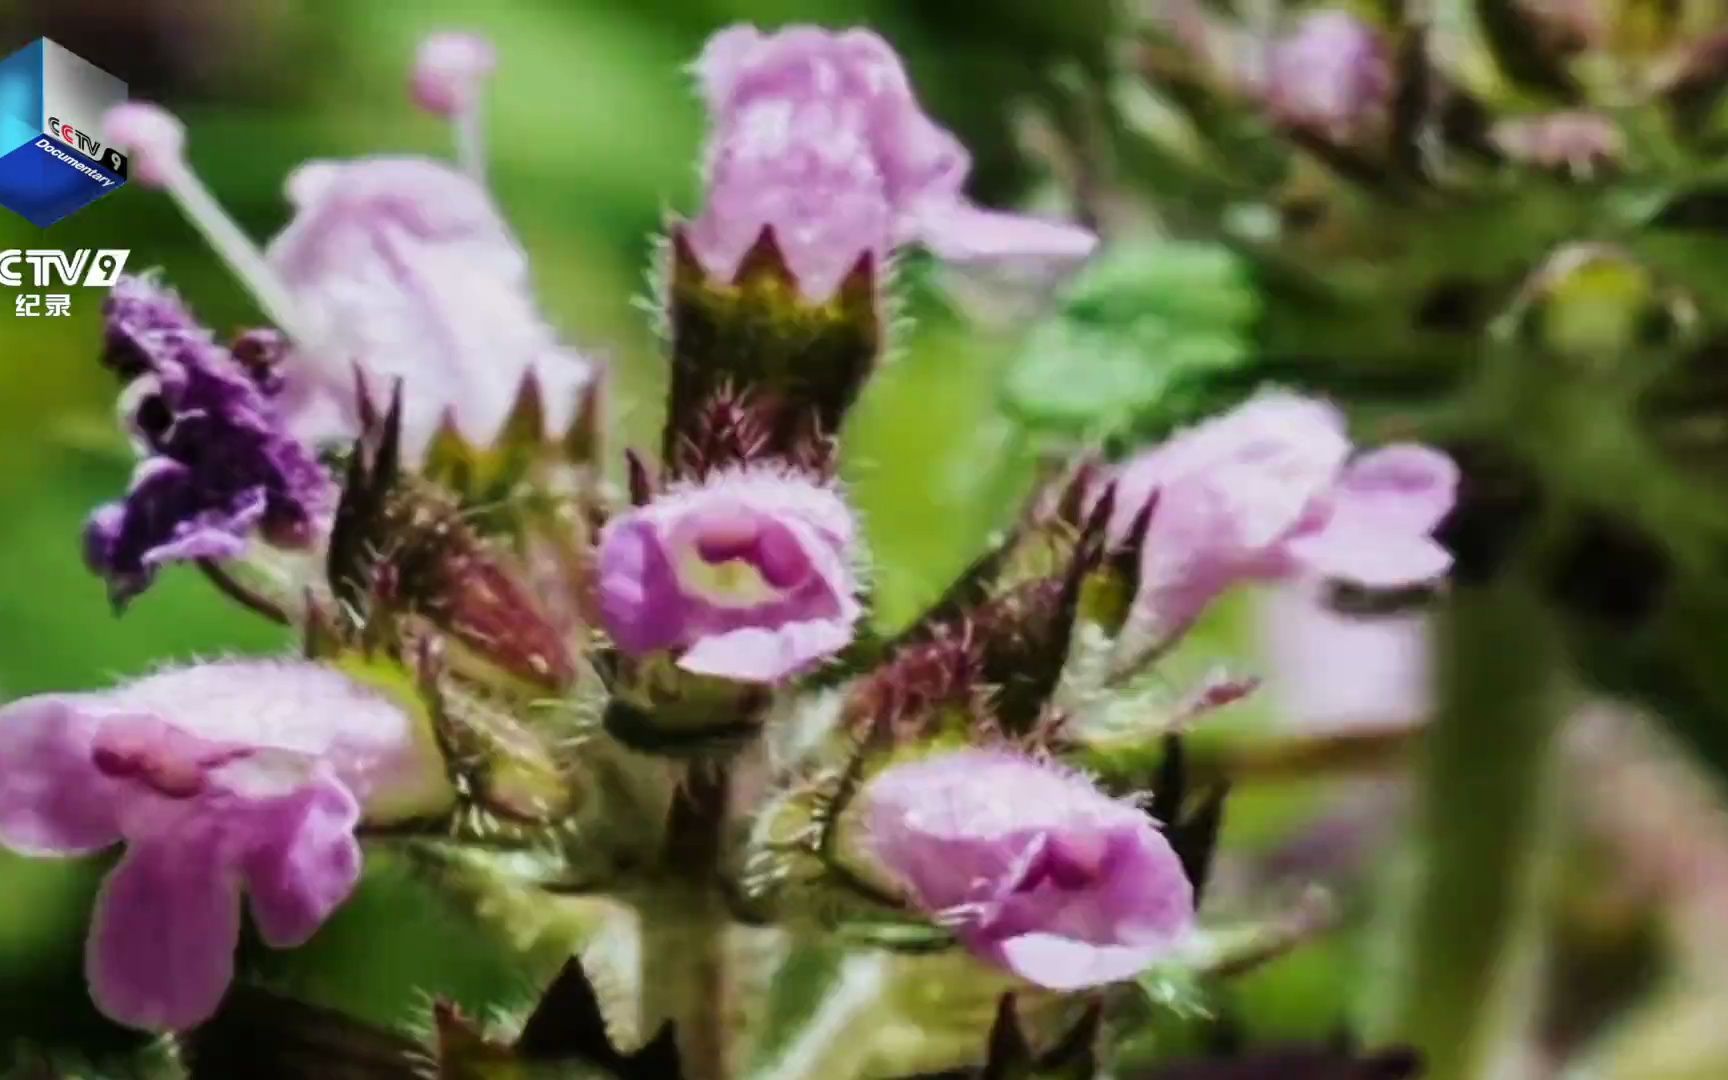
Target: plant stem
x=1482, y=809
x=240, y=594
x=685, y=926
x=834, y=1041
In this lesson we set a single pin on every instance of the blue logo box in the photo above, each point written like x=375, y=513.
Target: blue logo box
x=52, y=159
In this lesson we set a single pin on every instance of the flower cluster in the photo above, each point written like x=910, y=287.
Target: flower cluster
x=392, y=268
x=503, y=652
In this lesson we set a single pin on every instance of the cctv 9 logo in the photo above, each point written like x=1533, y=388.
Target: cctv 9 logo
x=110, y=157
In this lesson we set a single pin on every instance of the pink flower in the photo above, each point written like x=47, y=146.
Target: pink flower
x=1037, y=870
x=221, y=779
x=747, y=575
x=403, y=267
x=399, y=267
x=818, y=135
x=1267, y=491
x=1330, y=75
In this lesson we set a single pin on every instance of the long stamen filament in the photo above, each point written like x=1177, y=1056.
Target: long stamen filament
x=234, y=247
x=469, y=125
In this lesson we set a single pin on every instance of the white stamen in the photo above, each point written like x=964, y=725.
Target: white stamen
x=450, y=73
x=470, y=128
x=157, y=141
x=236, y=249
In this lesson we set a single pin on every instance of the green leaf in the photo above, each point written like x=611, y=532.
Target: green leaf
x=1144, y=336
x=1077, y=379
x=1192, y=285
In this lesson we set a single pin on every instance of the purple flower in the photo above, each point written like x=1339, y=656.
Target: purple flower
x=244, y=777
x=747, y=574
x=1330, y=75
x=217, y=466
x=818, y=134
x=1037, y=870
x=1268, y=491
x=404, y=268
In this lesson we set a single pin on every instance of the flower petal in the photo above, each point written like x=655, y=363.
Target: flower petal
x=1309, y=648
x=942, y=797
x=960, y=232
x=160, y=954
x=1039, y=870
x=218, y=464
x=1063, y=963
x=380, y=750
x=1404, y=486
x=53, y=801
x=723, y=61
x=1267, y=461
x=1376, y=530
x=1195, y=549
x=303, y=862
x=819, y=136
x=759, y=654
x=1353, y=551
x=638, y=589
x=959, y=827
